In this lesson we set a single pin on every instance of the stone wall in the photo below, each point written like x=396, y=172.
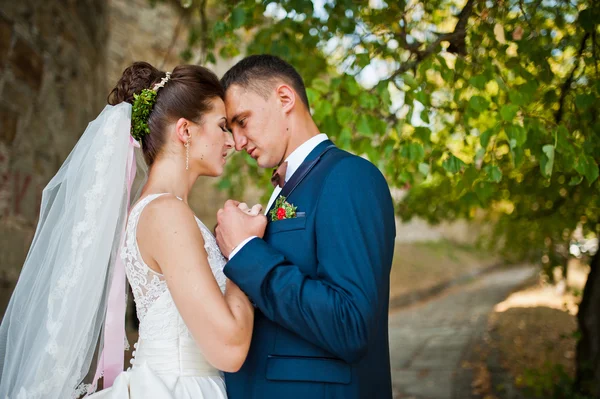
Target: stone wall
x=52, y=69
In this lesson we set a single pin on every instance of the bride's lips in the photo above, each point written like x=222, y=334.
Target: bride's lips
x=225, y=155
x=251, y=152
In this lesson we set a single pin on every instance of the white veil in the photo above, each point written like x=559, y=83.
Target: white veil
x=51, y=329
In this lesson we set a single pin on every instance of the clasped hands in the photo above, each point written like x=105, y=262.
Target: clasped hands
x=236, y=222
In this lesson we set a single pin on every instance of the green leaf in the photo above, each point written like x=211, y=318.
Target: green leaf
x=563, y=144
x=516, y=133
x=547, y=161
x=425, y=116
x=478, y=82
x=367, y=101
x=423, y=133
x=330, y=125
x=186, y=55
x=224, y=183
x=345, y=137
x=516, y=97
x=447, y=74
x=210, y=58
x=322, y=109
x=424, y=169
x=422, y=97
x=413, y=152
x=575, y=180
x=587, y=167
x=527, y=91
x=363, y=126
x=320, y=85
x=508, y=112
x=238, y=17
x=229, y=51
x=410, y=80
x=344, y=115
x=335, y=97
x=478, y=104
x=584, y=101
x=452, y=164
x=486, y=136
x=219, y=29
x=518, y=156
x=313, y=96
x=384, y=94
x=362, y=60
x=352, y=87
x=470, y=176
x=484, y=191
x=493, y=173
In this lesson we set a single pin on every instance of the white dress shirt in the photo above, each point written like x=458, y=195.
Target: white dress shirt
x=294, y=161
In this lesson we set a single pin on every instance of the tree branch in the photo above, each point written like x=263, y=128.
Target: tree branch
x=458, y=45
x=204, y=31
x=567, y=84
x=527, y=18
x=174, y=38
x=425, y=53
x=594, y=54
x=456, y=39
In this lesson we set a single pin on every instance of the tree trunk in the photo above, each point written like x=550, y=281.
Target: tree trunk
x=588, y=347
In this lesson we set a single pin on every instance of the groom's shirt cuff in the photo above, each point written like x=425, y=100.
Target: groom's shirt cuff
x=240, y=246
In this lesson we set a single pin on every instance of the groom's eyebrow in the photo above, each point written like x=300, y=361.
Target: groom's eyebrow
x=237, y=117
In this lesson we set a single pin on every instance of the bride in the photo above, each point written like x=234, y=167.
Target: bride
x=67, y=309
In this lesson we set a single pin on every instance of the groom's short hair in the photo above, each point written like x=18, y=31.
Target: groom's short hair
x=260, y=73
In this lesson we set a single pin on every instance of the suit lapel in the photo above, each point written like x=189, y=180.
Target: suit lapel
x=307, y=165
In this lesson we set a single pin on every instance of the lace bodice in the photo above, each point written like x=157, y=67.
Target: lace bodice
x=147, y=285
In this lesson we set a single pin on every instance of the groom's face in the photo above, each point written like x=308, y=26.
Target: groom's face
x=256, y=124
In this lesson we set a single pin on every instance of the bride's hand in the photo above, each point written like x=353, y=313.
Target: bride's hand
x=254, y=211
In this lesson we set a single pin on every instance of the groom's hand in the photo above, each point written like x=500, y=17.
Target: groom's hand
x=235, y=225
x=254, y=211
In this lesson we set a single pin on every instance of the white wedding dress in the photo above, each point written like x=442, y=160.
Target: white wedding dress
x=167, y=363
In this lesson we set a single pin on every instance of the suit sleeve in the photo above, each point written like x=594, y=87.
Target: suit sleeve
x=355, y=231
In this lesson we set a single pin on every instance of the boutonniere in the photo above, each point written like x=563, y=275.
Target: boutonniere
x=282, y=210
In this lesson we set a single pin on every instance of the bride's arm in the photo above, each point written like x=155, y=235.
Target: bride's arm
x=220, y=324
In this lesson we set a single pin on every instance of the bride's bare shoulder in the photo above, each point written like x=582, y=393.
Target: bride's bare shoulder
x=167, y=214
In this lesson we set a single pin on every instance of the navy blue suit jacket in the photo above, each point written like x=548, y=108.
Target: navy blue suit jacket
x=320, y=283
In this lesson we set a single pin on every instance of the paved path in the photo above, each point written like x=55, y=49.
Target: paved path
x=428, y=340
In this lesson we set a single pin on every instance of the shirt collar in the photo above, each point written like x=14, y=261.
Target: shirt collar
x=296, y=158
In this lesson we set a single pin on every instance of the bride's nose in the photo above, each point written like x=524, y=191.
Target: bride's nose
x=229, y=143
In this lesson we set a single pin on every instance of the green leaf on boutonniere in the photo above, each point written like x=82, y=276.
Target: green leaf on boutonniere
x=282, y=210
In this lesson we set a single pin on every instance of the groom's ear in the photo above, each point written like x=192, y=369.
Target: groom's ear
x=286, y=96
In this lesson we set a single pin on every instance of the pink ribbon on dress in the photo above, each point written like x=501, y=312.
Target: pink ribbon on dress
x=110, y=362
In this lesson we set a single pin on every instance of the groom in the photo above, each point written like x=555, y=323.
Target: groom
x=317, y=267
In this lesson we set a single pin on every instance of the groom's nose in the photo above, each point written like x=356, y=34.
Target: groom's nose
x=240, y=141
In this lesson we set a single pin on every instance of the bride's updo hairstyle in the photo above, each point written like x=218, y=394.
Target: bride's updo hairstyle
x=187, y=94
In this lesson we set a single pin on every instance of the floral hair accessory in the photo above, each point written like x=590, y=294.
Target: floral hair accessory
x=142, y=106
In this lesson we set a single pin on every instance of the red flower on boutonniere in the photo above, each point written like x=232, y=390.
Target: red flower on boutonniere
x=282, y=210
